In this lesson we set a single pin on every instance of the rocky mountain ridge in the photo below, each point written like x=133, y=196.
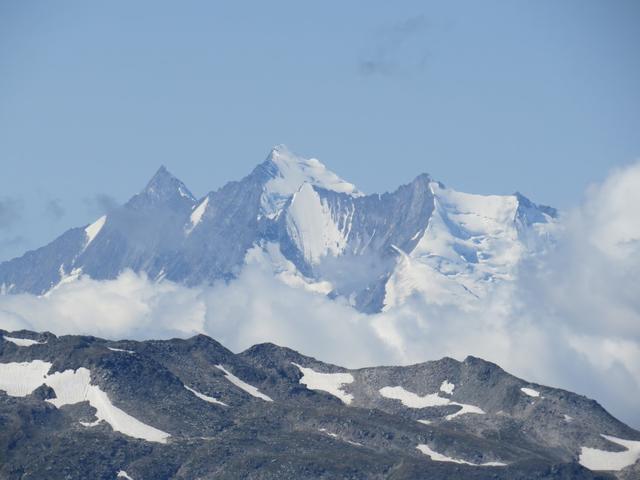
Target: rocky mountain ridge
x=84, y=407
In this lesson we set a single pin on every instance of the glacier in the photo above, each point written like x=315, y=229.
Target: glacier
x=313, y=229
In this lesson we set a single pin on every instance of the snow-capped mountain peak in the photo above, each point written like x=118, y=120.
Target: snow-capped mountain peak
x=163, y=182
x=455, y=246
x=530, y=213
x=286, y=172
x=471, y=242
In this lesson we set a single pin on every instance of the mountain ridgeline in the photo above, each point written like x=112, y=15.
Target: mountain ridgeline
x=309, y=226
x=82, y=407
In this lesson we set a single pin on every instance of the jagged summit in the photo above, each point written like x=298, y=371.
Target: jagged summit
x=161, y=173
x=164, y=182
x=301, y=220
x=422, y=181
x=163, y=190
x=288, y=169
x=528, y=206
x=285, y=172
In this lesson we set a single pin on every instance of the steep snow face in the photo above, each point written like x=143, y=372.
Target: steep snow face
x=327, y=382
x=65, y=278
x=595, y=459
x=250, y=389
x=206, y=398
x=413, y=276
x=93, y=230
x=311, y=227
x=21, y=342
x=71, y=387
x=438, y=457
x=465, y=227
x=196, y=215
x=471, y=243
x=289, y=171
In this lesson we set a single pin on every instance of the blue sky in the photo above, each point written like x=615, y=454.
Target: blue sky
x=489, y=97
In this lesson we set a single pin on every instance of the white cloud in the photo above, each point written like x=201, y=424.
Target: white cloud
x=613, y=209
x=572, y=320
x=130, y=306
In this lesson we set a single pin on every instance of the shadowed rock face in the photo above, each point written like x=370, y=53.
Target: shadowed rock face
x=313, y=219
x=270, y=412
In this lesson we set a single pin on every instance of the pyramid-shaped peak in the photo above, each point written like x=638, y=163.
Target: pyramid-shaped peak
x=284, y=172
x=531, y=212
x=281, y=157
x=163, y=190
x=288, y=171
x=163, y=185
x=162, y=175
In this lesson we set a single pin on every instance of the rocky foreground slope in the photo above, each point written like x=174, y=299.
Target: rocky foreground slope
x=77, y=407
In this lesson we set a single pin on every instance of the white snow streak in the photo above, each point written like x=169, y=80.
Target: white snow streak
x=113, y=349
x=196, y=215
x=327, y=382
x=530, y=391
x=206, y=398
x=183, y=193
x=438, y=457
x=250, y=389
x=65, y=279
x=335, y=435
x=93, y=230
x=464, y=410
x=71, y=387
x=595, y=459
x=412, y=400
x=22, y=342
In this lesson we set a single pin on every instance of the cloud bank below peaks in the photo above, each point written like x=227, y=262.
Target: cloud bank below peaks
x=571, y=319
